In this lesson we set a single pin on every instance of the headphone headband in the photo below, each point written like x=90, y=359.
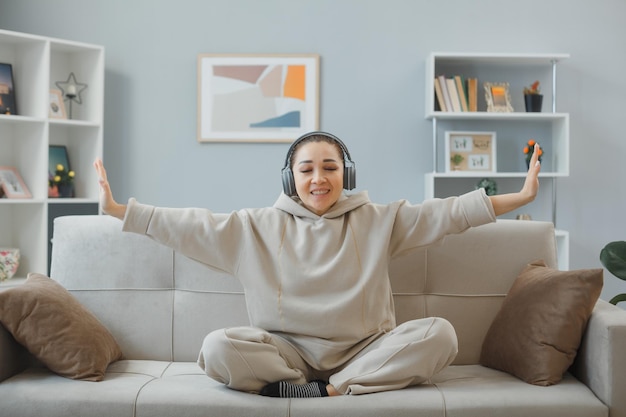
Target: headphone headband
x=315, y=133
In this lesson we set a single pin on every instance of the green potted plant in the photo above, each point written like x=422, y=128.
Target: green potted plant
x=613, y=258
x=490, y=186
x=533, y=98
x=63, y=180
x=529, y=149
x=456, y=160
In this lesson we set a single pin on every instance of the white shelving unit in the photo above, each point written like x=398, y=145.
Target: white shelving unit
x=550, y=128
x=38, y=62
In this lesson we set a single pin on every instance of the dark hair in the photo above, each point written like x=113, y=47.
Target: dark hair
x=317, y=138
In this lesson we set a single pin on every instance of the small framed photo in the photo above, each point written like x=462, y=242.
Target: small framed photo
x=57, y=154
x=258, y=97
x=498, y=97
x=7, y=90
x=56, y=109
x=470, y=152
x=11, y=183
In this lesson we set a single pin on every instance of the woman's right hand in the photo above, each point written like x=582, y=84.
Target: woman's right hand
x=107, y=202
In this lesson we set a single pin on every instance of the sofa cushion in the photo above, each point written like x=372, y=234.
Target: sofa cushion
x=536, y=334
x=45, y=318
x=164, y=389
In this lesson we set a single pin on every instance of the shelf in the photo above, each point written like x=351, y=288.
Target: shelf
x=483, y=115
x=512, y=134
x=73, y=200
x=18, y=119
x=512, y=130
x=38, y=62
x=518, y=70
x=483, y=174
x=67, y=122
x=21, y=201
x=517, y=59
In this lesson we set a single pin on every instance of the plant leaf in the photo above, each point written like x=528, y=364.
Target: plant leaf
x=618, y=298
x=613, y=257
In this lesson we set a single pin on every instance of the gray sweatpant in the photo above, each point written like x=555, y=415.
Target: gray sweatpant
x=248, y=358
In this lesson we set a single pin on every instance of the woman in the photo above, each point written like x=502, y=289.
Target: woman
x=314, y=270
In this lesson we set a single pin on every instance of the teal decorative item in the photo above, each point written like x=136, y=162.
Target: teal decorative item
x=490, y=186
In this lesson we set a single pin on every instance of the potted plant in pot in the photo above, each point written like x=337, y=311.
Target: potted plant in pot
x=533, y=98
x=613, y=258
x=63, y=180
x=529, y=149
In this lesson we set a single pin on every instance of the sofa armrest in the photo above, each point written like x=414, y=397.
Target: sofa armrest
x=13, y=357
x=601, y=360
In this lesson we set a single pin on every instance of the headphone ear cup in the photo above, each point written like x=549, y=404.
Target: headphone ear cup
x=289, y=185
x=349, y=176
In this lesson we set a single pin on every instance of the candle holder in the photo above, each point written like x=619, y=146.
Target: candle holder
x=71, y=90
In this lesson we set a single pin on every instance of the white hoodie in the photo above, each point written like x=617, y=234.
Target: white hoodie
x=321, y=282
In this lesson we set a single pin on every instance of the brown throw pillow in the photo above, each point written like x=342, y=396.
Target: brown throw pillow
x=536, y=334
x=46, y=319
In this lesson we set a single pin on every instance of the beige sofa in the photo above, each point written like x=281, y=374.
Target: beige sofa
x=159, y=305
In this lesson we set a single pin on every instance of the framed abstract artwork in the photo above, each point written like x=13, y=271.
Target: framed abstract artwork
x=257, y=98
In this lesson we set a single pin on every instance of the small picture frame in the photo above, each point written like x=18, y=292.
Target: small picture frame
x=470, y=152
x=57, y=154
x=7, y=90
x=56, y=108
x=11, y=183
x=498, y=97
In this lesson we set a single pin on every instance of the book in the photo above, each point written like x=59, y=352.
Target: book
x=454, y=95
x=444, y=92
x=460, y=88
x=472, y=94
x=439, y=95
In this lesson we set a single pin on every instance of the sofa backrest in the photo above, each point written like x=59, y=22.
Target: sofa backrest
x=159, y=305
x=466, y=277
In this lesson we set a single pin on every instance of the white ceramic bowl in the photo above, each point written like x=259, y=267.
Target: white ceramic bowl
x=9, y=261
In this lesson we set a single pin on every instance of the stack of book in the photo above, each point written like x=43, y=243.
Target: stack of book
x=456, y=94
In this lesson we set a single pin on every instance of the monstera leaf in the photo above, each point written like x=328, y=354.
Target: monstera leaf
x=613, y=257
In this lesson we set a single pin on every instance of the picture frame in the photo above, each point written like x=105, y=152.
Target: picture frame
x=56, y=107
x=57, y=154
x=8, y=103
x=498, y=97
x=470, y=152
x=11, y=183
x=258, y=97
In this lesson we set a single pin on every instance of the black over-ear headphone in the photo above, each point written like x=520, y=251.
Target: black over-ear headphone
x=349, y=168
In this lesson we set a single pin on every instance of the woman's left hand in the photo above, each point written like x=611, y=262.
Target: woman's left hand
x=504, y=203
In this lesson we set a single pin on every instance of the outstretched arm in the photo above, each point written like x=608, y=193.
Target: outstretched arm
x=504, y=203
x=108, y=204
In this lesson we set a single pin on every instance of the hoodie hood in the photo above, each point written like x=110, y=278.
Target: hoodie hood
x=346, y=203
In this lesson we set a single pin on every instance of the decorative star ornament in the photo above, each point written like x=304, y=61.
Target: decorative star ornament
x=71, y=88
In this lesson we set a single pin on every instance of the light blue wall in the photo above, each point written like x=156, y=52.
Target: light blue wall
x=372, y=89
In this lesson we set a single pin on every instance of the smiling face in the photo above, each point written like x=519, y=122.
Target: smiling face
x=318, y=174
